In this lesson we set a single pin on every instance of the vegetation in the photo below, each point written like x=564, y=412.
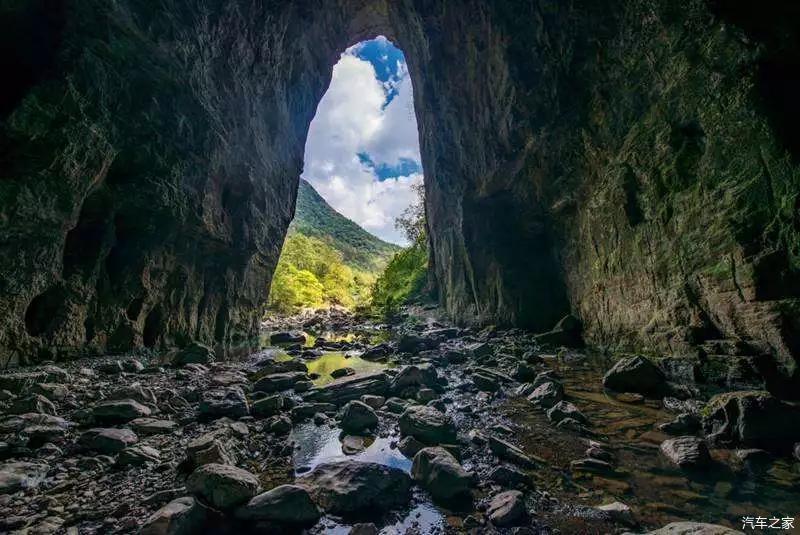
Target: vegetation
x=312, y=274
x=407, y=272
x=316, y=218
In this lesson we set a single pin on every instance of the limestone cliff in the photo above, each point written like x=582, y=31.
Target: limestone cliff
x=631, y=160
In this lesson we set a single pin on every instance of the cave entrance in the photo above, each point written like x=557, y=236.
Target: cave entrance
x=360, y=194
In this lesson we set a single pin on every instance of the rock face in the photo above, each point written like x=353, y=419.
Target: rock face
x=349, y=487
x=147, y=207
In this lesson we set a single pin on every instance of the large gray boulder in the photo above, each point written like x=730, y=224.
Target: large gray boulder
x=694, y=528
x=347, y=487
x=636, y=374
x=194, y=353
x=415, y=375
x=358, y=416
x=439, y=473
x=348, y=388
x=507, y=509
x=222, y=485
x=752, y=418
x=181, y=516
x=427, y=425
x=286, y=504
x=119, y=411
x=230, y=402
x=16, y=476
x=686, y=452
x=107, y=440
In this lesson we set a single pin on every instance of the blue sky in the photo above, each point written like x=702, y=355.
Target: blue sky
x=362, y=152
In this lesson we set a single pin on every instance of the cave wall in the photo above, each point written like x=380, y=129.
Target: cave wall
x=628, y=160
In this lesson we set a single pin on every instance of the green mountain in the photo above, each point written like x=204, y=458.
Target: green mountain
x=316, y=218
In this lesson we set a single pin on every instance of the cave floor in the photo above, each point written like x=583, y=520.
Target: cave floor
x=74, y=481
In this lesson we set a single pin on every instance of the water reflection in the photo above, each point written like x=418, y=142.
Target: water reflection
x=336, y=360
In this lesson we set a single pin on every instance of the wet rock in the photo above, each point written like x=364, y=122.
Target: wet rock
x=208, y=449
x=138, y=455
x=39, y=435
x=413, y=343
x=377, y=352
x=194, y=353
x=754, y=457
x=567, y=333
x=427, y=425
x=112, y=367
x=342, y=372
x=288, y=337
x=182, y=516
x=364, y=529
x=751, y=418
x=230, y=402
x=618, y=512
x=277, y=382
x=563, y=410
x=693, y=528
x=635, y=374
x=152, y=426
x=683, y=424
x=479, y=351
x=524, y=372
x=507, y=509
x=285, y=504
x=547, y=394
x=119, y=411
x=16, y=476
x=107, y=440
x=348, y=487
x=352, y=444
x=592, y=465
x=135, y=392
x=21, y=381
x=303, y=386
x=280, y=425
x=427, y=395
x=421, y=375
x=17, y=423
x=509, y=452
x=396, y=405
x=686, y=452
x=376, y=402
x=409, y=446
x=34, y=403
x=436, y=470
x=508, y=476
x=268, y=406
x=358, y=416
x=345, y=389
x=223, y=486
x=52, y=391
x=485, y=382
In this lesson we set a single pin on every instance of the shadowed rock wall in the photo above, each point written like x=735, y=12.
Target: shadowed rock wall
x=623, y=159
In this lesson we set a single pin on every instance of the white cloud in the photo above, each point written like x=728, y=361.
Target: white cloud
x=350, y=120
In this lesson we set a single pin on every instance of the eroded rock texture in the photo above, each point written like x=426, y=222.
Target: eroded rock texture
x=631, y=160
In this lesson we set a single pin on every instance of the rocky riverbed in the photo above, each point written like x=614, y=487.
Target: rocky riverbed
x=333, y=425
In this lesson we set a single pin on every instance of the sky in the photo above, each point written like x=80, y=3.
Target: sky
x=362, y=151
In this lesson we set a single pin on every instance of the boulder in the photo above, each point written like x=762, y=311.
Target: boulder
x=686, y=452
x=268, y=406
x=222, y=485
x=409, y=446
x=230, y=402
x=342, y=372
x=416, y=375
x=151, y=426
x=427, y=425
x=485, y=382
x=345, y=389
x=635, y=374
x=182, y=516
x=16, y=476
x=138, y=455
x=33, y=403
x=524, y=372
x=119, y=411
x=194, y=353
x=547, y=394
x=508, y=476
x=348, y=487
x=277, y=382
x=509, y=452
x=107, y=440
x=208, y=449
x=685, y=423
x=436, y=470
x=563, y=410
x=285, y=504
x=753, y=419
x=507, y=509
x=376, y=402
x=288, y=337
x=694, y=528
x=358, y=416
x=414, y=343
x=618, y=512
